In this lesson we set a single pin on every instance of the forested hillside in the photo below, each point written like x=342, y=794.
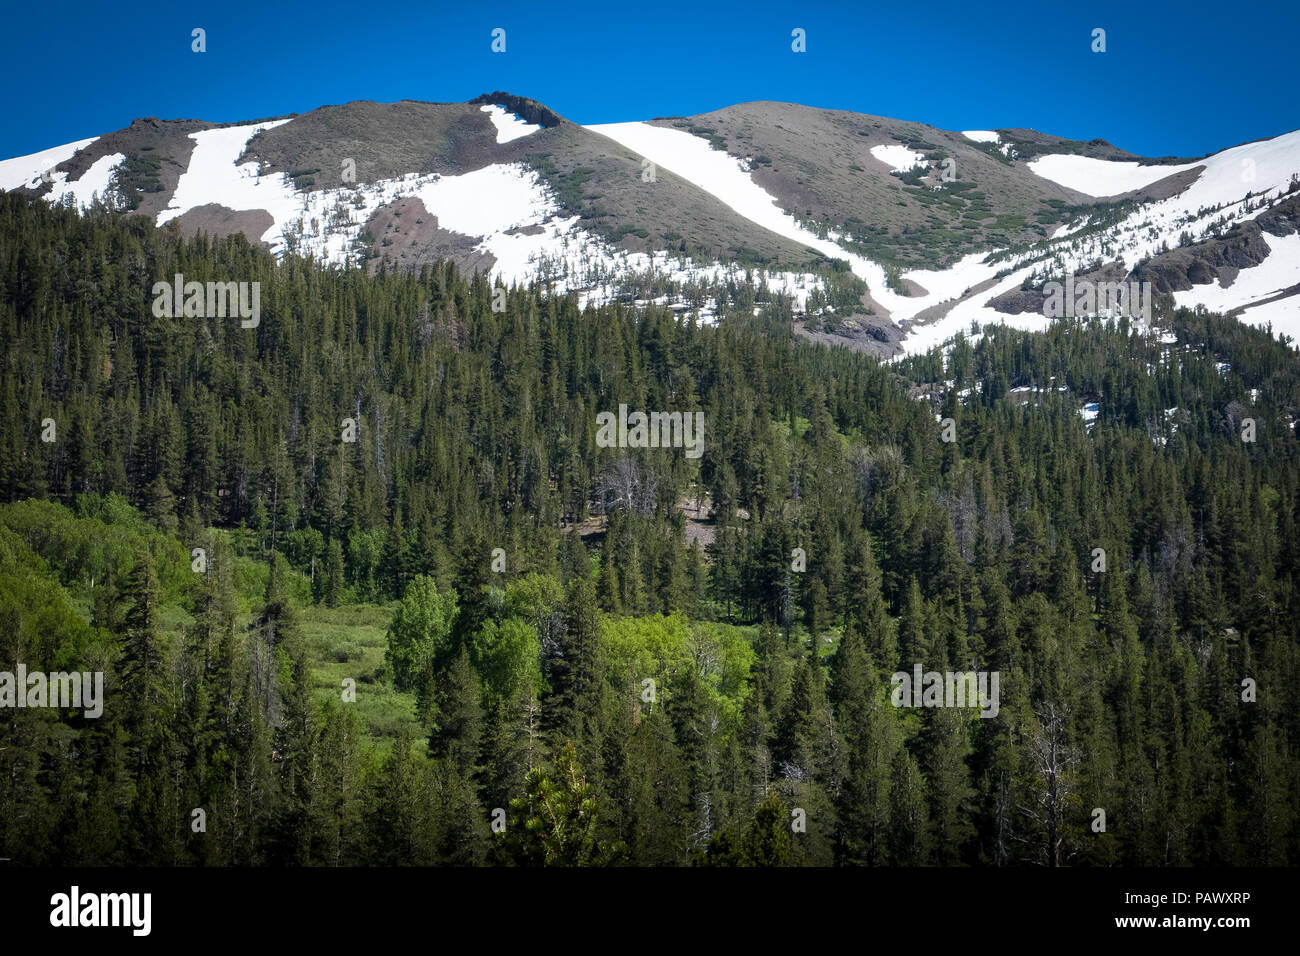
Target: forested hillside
x=624, y=649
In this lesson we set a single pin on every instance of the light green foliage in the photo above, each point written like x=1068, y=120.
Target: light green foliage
x=420, y=633
x=102, y=537
x=505, y=655
x=661, y=647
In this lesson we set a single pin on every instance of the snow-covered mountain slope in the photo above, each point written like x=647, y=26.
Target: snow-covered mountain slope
x=730, y=181
x=40, y=171
x=215, y=176
x=1233, y=186
x=503, y=210
x=25, y=171
x=1225, y=192
x=1279, y=272
x=938, y=229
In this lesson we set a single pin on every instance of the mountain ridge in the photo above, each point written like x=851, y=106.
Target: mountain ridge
x=855, y=217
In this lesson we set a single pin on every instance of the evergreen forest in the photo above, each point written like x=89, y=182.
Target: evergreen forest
x=365, y=589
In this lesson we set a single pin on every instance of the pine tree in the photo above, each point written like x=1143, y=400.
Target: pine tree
x=144, y=663
x=460, y=718
x=908, y=840
x=768, y=843
x=554, y=823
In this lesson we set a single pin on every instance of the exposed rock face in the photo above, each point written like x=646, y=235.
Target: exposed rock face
x=1283, y=219
x=217, y=220
x=871, y=334
x=530, y=110
x=406, y=236
x=1240, y=248
x=1179, y=269
x=1017, y=301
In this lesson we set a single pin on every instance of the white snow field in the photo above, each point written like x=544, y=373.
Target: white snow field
x=26, y=170
x=510, y=126
x=922, y=338
x=1099, y=177
x=1279, y=271
x=1283, y=315
x=898, y=158
x=94, y=182
x=213, y=177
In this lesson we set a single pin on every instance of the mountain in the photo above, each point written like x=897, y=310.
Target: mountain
x=888, y=236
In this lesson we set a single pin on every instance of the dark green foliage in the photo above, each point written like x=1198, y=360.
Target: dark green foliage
x=138, y=173
x=1121, y=689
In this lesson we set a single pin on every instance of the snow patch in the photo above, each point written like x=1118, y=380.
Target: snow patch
x=1283, y=315
x=26, y=170
x=1100, y=177
x=213, y=177
x=94, y=183
x=510, y=126
x=981, y=135
x=922, y=338
x=1280, y=270
x=898, y=158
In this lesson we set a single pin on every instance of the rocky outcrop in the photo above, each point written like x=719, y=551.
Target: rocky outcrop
x=1180, y=269
x=530, y=111
x=1283, y=219
x=871, y=334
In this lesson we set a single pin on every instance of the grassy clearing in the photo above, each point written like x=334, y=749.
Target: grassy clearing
x=350, y=642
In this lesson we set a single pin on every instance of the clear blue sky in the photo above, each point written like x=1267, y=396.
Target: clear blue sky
x=1177, y=78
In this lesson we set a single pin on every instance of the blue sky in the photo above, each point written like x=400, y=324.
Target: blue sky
x=1177, y=78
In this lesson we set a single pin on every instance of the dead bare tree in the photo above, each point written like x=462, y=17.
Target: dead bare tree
x=627, y=485
x=1053, y=759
